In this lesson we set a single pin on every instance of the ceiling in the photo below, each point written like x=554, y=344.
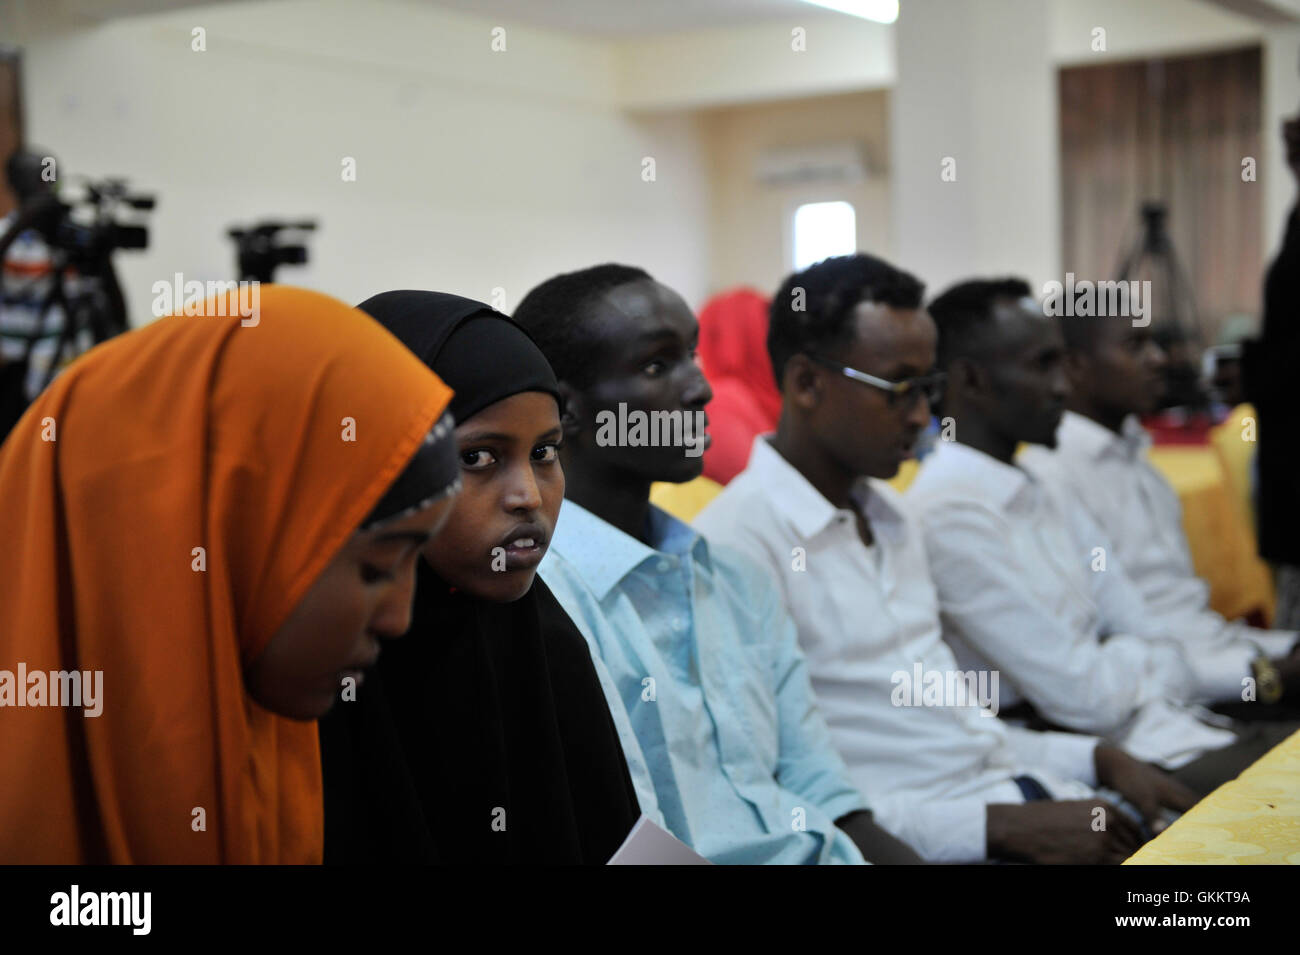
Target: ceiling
x=627, y=18
x=605, y=18
x=1266, y=11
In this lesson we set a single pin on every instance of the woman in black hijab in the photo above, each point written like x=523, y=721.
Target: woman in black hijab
x=483, y=736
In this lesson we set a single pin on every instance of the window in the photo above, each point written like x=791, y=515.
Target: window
x=823, y=229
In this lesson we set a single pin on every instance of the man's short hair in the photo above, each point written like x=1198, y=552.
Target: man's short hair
x=963, y=315
x=830, y=292
x=555, y=313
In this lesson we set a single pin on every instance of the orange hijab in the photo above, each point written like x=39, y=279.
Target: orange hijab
x=191, y=432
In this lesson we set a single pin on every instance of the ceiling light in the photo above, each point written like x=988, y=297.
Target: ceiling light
x=882, y=11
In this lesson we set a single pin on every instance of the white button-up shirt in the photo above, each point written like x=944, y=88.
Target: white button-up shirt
x=1021, y=591
x=864, y=616
x=1109, y=475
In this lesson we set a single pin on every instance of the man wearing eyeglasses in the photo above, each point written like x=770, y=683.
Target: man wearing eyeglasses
x=853, y=352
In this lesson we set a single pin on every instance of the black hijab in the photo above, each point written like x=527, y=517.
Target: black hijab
x=482, y=361
x=483, y=735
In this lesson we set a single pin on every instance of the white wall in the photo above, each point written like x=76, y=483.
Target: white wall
x=474, y=169
x=751, y=220
x=750, y=63
x=976, y=86
x=479, y=169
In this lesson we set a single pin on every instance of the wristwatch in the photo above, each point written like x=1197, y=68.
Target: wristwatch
x=1268, y=680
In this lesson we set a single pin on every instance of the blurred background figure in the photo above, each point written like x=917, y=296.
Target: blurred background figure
x=1269, y=366
x=25, y=284
x=60, y=293
x=1222, y=365
x=1233, y=416
x=733, y=353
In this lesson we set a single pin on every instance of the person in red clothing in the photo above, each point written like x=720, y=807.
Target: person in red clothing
x=733, y=353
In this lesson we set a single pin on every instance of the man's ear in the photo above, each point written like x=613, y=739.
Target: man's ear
x=1076, y=370
x=571, y=409
x=800, y=382
x=967, y=379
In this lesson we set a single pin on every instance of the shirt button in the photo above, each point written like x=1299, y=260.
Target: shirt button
x=679, y=623
x=663, y=566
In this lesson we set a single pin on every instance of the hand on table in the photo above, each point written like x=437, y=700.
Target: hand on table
x=1149, y=788
x=1061, y=833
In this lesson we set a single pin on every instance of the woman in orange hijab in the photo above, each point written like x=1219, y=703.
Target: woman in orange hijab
x=207, y=525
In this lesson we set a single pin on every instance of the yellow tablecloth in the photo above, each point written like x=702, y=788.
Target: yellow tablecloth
x=1253, y=820
x=684, y=501
x=1219, y=530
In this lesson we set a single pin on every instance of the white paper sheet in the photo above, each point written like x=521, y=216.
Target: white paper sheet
x=649, y=844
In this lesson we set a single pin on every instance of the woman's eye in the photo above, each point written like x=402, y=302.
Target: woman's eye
x=546, y=453
x=373, y=575
x=477, y=460
x=655, y=368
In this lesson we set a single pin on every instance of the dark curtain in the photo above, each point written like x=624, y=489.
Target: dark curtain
x=1174, y=130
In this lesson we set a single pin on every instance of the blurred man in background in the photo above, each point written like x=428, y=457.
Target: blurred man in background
x=1269, y=365
x=29, y=328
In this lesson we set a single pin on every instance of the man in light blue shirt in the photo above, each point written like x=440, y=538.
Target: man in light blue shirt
x=703, y=658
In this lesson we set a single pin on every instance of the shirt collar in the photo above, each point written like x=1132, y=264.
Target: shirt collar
x=603, y=555
x=983, y=475
x=1135, y=435
x=1096, y=441
x=805, y=508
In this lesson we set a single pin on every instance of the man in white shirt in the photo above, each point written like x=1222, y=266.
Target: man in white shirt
x=940, y=771
x=1024, y=585
x=1100, y=463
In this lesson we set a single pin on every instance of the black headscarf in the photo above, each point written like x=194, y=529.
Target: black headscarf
x=432, y=473
x=483, y=735
x=482, y=362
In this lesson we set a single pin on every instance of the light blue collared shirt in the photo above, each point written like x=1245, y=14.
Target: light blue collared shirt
x=705, y=663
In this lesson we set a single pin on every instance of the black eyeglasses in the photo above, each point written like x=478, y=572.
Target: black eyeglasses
x=897, y=393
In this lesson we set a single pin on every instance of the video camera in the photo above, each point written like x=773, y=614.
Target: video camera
x=89, y=237
x=259, y=252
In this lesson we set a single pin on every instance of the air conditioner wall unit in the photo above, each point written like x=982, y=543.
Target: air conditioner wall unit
x=802, y=165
